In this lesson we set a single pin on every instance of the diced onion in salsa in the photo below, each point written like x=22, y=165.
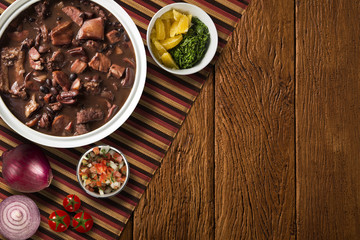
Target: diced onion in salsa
x=102, y=170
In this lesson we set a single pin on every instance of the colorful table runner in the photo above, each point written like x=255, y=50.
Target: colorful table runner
x=144, y=137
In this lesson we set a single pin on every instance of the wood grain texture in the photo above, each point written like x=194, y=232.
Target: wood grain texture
x=254, y=126
x=328, y=117
x=127, y=233
x=179, y=202
x=286, y=161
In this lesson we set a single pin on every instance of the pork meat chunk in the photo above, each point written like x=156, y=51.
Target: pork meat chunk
x=78, y=66
x=75, y=14
x=89, y=115
x=100, y=62
x=62, y=79
x=62, y=34
x=92, y=29
x=113, y=36
x=116, y=71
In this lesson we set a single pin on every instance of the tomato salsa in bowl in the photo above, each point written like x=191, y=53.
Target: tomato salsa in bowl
x=103, y=171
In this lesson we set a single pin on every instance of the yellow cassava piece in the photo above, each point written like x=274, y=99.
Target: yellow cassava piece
x=155, y=51
x=174, y=28
x=183, y=25
x=177, y=15
x=168, y=15
x=159, y=47
x=171, y=42
x=167, y=24
x=160, y=29
x=153, y=35
x=168, y=61
x=190, y=18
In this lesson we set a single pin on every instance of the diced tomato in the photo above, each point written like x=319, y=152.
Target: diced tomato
x=122, y=179
x=104, y=162
x=97, y=166
x=96, y=150
x=93, y=169
x=87, y=181
x=108, y=176
x=117, y=157
x=102, y=178
x=100, y=168
x=98, y=183
x=123, y=170
x=84, y=171
x=117, y=176
x=92, y=184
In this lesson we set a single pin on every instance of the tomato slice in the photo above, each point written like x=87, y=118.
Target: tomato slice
x=82, y=222
x=59, y=221
x=71, y=203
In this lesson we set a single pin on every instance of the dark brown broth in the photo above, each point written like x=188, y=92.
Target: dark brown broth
x=17, y=105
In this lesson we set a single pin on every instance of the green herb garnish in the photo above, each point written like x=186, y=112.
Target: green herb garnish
x=193, y=46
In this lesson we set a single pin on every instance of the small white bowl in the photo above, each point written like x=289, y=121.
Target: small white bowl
x=195, y=12
x=106, y=195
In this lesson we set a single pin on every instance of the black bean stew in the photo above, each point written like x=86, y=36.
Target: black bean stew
x=67, y=67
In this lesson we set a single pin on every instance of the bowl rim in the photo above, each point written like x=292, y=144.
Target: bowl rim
x=122, y=115
x=106, y=195
x=212, y=30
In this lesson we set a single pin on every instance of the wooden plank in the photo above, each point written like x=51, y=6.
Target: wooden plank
x=179, y=201
x=327, y=119
x=127, y=233
x=254, y=126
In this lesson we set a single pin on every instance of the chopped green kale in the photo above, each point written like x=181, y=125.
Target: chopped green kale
x=193, y=46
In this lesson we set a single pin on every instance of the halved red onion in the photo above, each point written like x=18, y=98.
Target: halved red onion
x=19, y=217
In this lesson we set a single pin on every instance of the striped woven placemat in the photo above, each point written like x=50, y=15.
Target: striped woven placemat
x=144, y=138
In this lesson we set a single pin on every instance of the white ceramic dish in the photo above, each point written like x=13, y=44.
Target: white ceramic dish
x=205, y=18
x=108, y=194
x=75, y=141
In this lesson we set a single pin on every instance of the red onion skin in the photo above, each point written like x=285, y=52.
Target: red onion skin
x=26, y=168
x=32, y=220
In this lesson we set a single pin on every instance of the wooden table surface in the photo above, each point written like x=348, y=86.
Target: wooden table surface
x=271, y=148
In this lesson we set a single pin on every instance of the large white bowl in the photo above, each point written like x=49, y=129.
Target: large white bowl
x=205, y=18
x=75, y=141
